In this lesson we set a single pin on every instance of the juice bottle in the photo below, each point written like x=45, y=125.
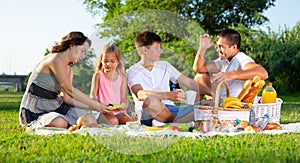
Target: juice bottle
x=269, y=94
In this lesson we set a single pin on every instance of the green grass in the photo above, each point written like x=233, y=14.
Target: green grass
x=18, y=146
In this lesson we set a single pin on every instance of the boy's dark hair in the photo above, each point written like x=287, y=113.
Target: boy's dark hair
x=232, y=36
x=145, y=38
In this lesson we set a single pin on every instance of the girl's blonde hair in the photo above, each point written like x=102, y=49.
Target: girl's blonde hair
x=111, y=48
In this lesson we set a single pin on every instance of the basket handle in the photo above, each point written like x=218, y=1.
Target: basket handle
x=217, y=96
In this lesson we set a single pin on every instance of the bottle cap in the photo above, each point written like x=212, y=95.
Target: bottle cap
x=269, y=83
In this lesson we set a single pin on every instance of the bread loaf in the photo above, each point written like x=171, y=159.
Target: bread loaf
x=246, y=88
x=256, y=86
x=256, y=79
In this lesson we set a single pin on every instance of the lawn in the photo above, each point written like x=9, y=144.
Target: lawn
x=19, y=146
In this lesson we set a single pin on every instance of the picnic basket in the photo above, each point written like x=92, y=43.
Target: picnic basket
x=272, y=109
x=204, y=113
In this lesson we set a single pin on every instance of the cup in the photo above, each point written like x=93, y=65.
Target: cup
x=209, y=125
x=190, y=97
x=133, y=125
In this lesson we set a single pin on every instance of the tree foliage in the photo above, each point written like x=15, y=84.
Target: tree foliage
x=180, y=23
x=177, y=22
x=83, y=72
x=212, y=15
x=278, y=52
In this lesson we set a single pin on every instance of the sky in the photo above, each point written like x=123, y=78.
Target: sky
x=29, y=27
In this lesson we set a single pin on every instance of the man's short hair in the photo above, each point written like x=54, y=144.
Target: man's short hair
x=232, y=36
x=146, y=37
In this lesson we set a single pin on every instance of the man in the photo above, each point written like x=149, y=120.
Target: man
x=232, y=66
x=149, y=82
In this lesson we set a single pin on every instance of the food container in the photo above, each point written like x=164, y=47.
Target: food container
x=204, y=113
x=133, y=125
x=272, y=109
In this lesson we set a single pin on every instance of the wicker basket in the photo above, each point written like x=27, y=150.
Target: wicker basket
x=272, y=109
x=203, y=113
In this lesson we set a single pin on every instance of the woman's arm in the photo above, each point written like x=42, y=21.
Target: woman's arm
x=69, y=100
x=60, y=71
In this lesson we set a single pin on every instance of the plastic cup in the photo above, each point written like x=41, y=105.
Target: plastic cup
x=190, y=97
x=209, y=125
x=133, y=125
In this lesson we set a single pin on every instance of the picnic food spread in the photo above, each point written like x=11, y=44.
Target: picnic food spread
x=239, y=113
x=115, y=106
x=234, y=102
x=269, y=94
x=251, y=89
x=82, y=122
x=232, y=115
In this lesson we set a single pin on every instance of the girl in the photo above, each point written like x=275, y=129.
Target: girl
x=109, y=86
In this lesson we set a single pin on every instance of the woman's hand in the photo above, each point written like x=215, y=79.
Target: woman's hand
x=103, y=108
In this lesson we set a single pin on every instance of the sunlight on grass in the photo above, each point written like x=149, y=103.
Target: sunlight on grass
x=19, y=146
x=136, y=145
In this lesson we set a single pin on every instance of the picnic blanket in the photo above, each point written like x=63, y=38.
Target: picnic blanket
x=140, y=132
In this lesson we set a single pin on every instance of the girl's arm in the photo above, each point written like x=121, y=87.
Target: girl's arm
x=95, y=86
x=124, y=93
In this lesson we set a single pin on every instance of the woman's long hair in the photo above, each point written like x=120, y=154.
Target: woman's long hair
x=73, y=38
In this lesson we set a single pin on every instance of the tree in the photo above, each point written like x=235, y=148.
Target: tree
x=177, y=22
x=278, y=52
x=212, y=15
x=83, y=72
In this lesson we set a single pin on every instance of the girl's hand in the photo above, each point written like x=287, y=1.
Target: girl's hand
x=177, y=95
x=124, y=107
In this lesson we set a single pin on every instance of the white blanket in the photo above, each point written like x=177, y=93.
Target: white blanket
x=125, y=130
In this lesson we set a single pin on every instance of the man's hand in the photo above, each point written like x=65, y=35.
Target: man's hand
x=218, y=78
x=205, y=41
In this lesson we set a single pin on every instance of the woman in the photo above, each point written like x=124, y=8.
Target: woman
x=50, y=98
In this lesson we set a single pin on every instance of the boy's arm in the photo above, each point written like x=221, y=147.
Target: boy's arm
x=194, y=85
x=175, y=95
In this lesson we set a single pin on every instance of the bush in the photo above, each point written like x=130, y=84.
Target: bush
x=278, y=52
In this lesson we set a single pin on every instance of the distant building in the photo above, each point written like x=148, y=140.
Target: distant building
x=14, y=80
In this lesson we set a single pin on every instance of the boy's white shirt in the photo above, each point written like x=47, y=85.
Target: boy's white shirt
x=156, y=80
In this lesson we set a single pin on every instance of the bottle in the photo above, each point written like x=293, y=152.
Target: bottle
x=262, y=122
x=269, y=94
x=174, y=86
x=252, y=119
